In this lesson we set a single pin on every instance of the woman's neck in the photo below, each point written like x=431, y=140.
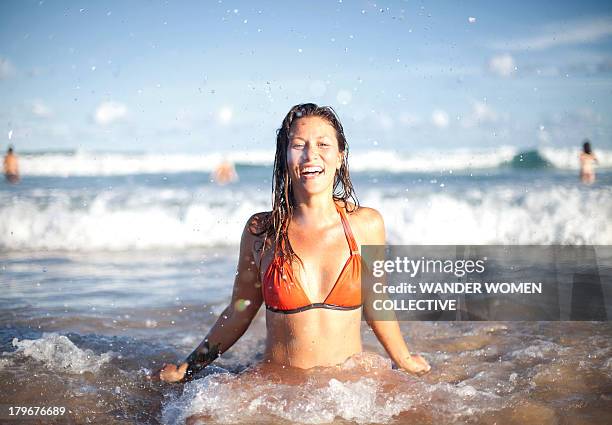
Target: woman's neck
x=317, y=210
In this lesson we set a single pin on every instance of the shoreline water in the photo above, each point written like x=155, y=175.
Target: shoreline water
x=92, y=325
x=158, y=211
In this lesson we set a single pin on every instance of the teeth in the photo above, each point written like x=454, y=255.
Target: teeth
x=315, y=169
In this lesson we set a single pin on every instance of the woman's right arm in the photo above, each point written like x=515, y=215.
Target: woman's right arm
x=233, y=322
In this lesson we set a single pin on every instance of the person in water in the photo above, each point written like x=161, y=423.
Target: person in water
x=11, y=167
x=302, y=260
x=587, y=163
x=225, y=173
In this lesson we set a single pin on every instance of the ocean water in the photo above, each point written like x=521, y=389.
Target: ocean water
x=88, y=202
x=112, y=264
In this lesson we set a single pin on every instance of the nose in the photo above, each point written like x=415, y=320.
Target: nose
x=311, y=151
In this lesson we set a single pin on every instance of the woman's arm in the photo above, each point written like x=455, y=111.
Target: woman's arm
x=388, y=331
x=232, y=323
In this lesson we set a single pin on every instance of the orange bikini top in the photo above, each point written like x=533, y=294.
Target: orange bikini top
x=283, y=293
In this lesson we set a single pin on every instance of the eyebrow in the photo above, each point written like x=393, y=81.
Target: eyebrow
x=306, y=140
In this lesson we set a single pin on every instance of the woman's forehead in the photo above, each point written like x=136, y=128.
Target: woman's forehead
x=312, y=126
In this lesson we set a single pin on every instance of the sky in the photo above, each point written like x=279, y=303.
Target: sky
x=150, y=76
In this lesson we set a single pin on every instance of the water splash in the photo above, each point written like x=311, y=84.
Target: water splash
x=60, y=354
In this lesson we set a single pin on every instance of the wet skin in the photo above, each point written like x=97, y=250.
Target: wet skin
x=316, y=337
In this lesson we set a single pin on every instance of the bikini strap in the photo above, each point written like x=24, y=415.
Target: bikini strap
x=261, y=254
x=347, y=231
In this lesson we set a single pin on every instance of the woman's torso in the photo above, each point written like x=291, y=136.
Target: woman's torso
x=586, y=163
x=316, y=336
x=10, y=165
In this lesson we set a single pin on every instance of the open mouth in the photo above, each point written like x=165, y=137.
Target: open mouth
x=311, y=171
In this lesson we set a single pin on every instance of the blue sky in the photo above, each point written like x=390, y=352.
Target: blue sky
x=195, y=76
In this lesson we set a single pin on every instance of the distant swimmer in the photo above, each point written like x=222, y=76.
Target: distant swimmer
x=11, y=168
x=587, y=161
x=225, y=173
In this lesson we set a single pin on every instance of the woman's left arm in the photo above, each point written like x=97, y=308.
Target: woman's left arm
x=388, y=331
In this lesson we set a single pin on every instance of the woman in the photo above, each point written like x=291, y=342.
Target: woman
x=302, y=260
x=587, y=161
x=11, y=167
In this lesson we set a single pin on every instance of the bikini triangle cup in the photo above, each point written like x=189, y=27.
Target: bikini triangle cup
x=283, y=293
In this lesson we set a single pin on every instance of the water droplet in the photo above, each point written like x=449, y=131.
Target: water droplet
x=344, y=97
x=242, y=304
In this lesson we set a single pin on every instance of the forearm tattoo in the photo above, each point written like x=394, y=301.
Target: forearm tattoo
x=200, y=358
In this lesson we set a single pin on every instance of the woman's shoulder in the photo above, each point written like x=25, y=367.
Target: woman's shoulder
x=367, y=223
x=258, y=223
x=361, y=213
x=254, y=234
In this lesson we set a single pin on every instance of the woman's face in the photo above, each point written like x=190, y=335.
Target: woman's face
x=313, y=155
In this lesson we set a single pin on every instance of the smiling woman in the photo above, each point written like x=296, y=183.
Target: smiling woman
x=302, y=259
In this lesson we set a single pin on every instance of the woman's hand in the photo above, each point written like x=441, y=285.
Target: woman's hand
x=415, y=364
x=171, y=373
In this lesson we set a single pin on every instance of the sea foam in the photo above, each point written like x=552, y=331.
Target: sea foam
x=368, y=392
x=60, y=354
x=148, y=218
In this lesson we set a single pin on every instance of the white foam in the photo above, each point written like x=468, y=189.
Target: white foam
x=84, y=163
x=567, y=158
x=498, y=215
x=453, y=402
x=225, y=400
x=147, y=218
x=60, y=354
x=460, y=159
x=540, y=350
x=128, y=219
x=368, y=392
